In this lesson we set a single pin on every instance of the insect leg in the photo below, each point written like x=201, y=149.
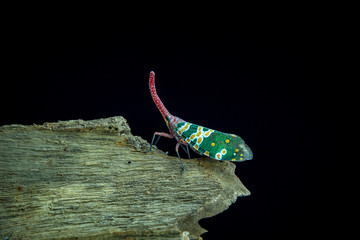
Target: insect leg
x=157, y=140
x=177, y=152
x=160, y=134
x=152, y=141
x=186, y=150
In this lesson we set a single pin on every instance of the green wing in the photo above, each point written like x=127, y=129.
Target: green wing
x=212, y=143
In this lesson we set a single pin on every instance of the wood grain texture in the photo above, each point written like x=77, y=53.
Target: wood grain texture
x=93, y=180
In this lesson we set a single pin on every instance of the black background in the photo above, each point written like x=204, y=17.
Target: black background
x=268, y=85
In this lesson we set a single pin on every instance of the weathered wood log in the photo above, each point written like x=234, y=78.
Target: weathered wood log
x=93, y=180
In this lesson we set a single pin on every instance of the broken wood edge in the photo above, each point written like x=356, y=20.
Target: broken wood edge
x=217, y=206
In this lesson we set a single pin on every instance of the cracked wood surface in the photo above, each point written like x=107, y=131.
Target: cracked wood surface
x=93, y=180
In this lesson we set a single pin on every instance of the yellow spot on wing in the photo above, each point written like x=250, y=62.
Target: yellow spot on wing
x=184, y=128
x=212, y=144
x=206, y=153
x=227, y=140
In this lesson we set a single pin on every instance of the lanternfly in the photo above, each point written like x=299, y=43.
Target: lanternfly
x=204, y=141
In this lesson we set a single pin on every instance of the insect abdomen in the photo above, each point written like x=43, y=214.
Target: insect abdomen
x=212, y=143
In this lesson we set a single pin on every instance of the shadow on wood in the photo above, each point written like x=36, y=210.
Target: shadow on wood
x=92, y=180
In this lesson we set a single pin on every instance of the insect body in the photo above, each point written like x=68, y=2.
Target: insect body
x=204, y=141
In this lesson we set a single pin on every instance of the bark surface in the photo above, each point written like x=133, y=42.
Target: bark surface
x=93, y=180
